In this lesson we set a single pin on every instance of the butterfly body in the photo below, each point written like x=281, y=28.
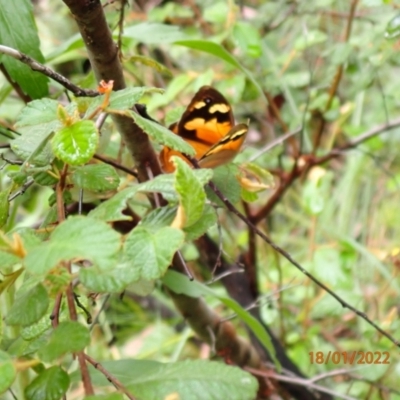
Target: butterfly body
x=208, y=126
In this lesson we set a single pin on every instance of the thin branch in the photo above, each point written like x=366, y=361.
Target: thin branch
x=118, y=385
x=86, y=380
x=115, y=165
x=298, y=381
x=288, y=257
x=275, y=143
x=23, y=189
x=24, y=97
x=56, y=311
x=36, y=66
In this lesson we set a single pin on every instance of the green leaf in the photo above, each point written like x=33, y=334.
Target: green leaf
x=181, y=284
x=40, y=113
x=25, y=311
x=45, y=179
x=189, y=380
x=7, y=371
x=77, y=237
x=68, y=337
x=4, y=207
x=149, y=32
x=77, y=143
x=36, y=122
x=226, y=181
x=161, y=134
x=158, y=218
x=18, y=30
x=121, y=99
x=96, y=177
x=205, y=222
x=190, y=192
x=150, y=254
x=111, y=209
x=33, y=331
x=165, y=183
x=217, y=50
x=51, y=384
x=113, y=280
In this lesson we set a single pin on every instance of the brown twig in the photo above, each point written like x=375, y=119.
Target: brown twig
x=55, y=315
x=87, y=383
x=115, y=165
x=36, y=66
x=25, y=98
x=118, y=385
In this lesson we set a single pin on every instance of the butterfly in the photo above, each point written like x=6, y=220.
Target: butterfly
x=209, y=127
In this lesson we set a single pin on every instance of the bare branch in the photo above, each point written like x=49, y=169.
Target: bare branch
x=36, y=66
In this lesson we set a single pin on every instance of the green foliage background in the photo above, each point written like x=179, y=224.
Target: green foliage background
x=340, y=219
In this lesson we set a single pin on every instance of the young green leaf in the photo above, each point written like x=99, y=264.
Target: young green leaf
x=51, y=384
x=77, y=143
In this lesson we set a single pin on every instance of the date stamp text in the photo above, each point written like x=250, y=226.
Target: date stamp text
x=349, y=357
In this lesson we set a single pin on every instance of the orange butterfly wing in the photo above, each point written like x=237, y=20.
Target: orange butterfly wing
x=206, y=123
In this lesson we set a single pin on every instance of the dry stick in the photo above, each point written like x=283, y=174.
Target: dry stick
x=110, y=378
x=36, y=66
x=87, y=383
x=288, y=257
